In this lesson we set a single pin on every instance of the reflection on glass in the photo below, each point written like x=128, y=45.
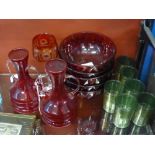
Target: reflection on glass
x=146, y=105
x=106, y=123
x=111, y=89
x=125, y=107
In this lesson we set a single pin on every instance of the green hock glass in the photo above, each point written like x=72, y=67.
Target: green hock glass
x=126, y=72
x=124, y=61
x=133, y=86
x=111, y=89
x=146, y=106
x=125, y=108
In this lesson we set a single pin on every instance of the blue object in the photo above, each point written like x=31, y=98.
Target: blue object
x=1, y=100
x=144, y=72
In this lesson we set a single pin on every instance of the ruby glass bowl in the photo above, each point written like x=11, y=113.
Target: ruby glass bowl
x=87, y=75
x=93, y=80
x=88, y=52
x=73, y=85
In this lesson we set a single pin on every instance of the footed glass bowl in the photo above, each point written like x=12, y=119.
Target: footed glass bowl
x=88, y=52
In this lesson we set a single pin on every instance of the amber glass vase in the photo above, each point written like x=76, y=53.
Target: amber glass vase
x=59, y=110
x=23, y=93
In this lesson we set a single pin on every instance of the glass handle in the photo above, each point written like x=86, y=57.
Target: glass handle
x=13, y=77
x=30, y=67
x=78, y=86
x=34, y=70
x=41, y=88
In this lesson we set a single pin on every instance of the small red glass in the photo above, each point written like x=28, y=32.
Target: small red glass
x=59, y=109
x=23, y=93
x=44, y=47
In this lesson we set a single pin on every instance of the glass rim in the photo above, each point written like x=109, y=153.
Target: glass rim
x=49, y=68
x=109, y=83
x=49, y=37
x=127, y=72
x=122, y=96
x=18, y=54
x=125, y=59
x=147, y=94
x=127, y=67
x=134, y=80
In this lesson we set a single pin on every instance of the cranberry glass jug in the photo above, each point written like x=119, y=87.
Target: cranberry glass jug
x=23, y=92
x=59, y=110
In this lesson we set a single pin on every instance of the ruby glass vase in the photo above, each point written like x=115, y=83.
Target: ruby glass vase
x=59, y=110
x=23, y=92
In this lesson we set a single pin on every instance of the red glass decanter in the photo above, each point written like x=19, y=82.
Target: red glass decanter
x=23, y=93
x=59, y=111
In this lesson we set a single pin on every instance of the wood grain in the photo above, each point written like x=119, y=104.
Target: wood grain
x=19, y=33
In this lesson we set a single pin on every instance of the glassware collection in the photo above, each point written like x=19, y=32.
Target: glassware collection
x=127, y=106
x=84, y=90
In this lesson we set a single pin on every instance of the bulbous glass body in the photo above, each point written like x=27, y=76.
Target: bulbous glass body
x=59, y=110
x=23, y=93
